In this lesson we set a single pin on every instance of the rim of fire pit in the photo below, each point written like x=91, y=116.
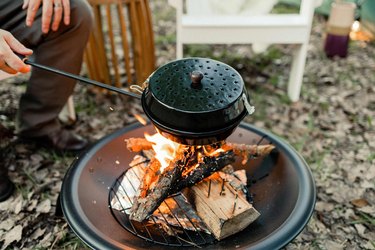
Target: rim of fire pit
x=86, y=185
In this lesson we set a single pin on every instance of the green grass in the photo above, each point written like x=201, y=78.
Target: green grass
x=365, y=219
x=285, y=8
x=167, y=39
x=89, y=106
x=70, y=241
x=23, y=190
x=371, y=157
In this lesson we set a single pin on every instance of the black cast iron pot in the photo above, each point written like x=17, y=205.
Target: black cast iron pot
x=193, y=101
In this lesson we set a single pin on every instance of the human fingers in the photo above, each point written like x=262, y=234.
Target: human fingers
x=32, y=8
x=57, y=16
x=66, y=7
x=9, y=61
x=6, y=68
x=47, y=15
x=25, y=4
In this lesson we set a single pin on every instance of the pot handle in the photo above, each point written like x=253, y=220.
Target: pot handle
x=250, y=109
x=137, y=88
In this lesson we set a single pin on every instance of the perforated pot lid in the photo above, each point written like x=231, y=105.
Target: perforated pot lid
x=196, y=85
x=195, y=97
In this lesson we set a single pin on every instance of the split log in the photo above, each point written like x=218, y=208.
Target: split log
x=223, y=209
x=143, y=207
x=150, y=177
x=247, y=152
x=138, y=144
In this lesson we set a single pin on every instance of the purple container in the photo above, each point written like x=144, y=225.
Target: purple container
x=336, y=45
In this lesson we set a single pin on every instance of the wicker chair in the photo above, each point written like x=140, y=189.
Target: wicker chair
x=121, y=50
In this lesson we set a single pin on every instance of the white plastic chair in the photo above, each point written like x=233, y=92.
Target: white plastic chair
x=237, y=29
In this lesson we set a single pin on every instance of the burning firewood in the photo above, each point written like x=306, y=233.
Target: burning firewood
x=248, y=151
x=190, y=166
x=138, y=144
x=144, y=206
x=208, y=166
x=149, y=177
x=243, y=150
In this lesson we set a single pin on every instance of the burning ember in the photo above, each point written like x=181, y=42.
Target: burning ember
x=201, y=175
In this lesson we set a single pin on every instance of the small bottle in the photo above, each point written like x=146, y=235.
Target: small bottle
x=339, y=25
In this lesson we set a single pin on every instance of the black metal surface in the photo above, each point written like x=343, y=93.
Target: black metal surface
x=195, y=100
x=285, y=198
x=220, y=86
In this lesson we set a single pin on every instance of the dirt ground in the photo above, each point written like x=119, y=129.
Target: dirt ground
x=332, y=127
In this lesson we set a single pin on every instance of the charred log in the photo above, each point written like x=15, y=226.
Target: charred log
x=143, y=207
x=208, y=166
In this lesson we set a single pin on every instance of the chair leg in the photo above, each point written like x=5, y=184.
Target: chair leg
x=179, y=50
x=68, y=114
x=296, y=72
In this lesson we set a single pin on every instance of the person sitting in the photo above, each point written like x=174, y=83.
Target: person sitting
x=53, y=33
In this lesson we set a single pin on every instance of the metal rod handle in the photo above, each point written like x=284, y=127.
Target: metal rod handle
x=83, y=79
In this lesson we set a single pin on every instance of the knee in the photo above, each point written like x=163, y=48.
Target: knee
x=81, y=16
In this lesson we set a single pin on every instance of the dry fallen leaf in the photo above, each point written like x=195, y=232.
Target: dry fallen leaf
x=13, y=235
x=7, y=224
x=360, y=202
x=44, y=206
x=37, y=233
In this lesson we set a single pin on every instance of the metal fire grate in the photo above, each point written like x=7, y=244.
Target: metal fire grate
x=151, y=230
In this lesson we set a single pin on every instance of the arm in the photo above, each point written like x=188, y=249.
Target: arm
x=9, y=61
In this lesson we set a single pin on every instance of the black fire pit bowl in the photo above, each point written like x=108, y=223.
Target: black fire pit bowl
x=281, y=184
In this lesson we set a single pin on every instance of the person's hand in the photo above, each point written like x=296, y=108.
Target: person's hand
x=58, y=9
x=9, y=61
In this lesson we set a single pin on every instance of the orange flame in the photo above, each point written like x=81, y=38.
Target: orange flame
x=140, y=119
x=165, y=150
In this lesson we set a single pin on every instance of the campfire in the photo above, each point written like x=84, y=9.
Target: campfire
x=210, y=190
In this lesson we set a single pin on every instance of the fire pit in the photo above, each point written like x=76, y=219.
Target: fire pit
x=281, y=184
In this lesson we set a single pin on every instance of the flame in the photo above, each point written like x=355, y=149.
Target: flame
x=140, y=119
x=212, y=152
x=165, y=150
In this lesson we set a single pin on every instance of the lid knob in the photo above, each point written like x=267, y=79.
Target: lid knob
x=196, y=78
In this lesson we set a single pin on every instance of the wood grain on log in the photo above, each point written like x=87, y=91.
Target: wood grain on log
x=225, y=211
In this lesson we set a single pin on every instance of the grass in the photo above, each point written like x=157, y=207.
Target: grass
x=371, y=157
x=23, y=190
x=70, y=241
x=90, y=107
x=365, y=219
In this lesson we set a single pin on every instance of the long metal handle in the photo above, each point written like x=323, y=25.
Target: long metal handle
x=83, y=79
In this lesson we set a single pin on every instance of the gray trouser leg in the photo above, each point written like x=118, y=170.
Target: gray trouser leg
x=46, y=92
